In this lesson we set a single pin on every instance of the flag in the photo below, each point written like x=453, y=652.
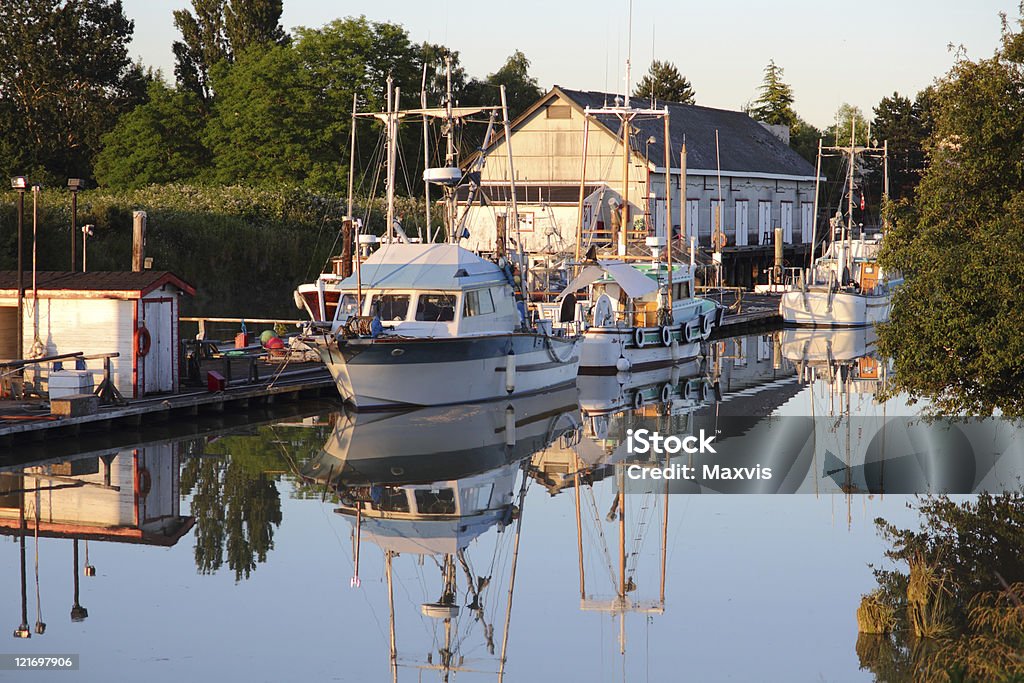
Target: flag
x=861, y=201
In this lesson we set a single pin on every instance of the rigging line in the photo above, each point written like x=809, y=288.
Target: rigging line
x=600, y=533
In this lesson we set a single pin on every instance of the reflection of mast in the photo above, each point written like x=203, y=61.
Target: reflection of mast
x=622, y=603
x=78, y=613
x=23, y=630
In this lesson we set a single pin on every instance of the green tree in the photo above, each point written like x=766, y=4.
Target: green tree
x=898, y=123
x=774, y=105
x=66, y=78
x=804, y=137
x=664, y=82
x=521, y=89
x=157, y=142
x=266, y=122
x=956, y=334
x=217, y=30
x=847, y=117
x=433, y=58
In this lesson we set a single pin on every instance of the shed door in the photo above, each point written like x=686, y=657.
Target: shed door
x=158, y=364
x=807, y=221
x=692, y=218
x=741, y=222
x=764, y=221
x=787, y=222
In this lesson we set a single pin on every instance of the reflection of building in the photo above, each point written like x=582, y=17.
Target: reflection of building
x=130, y=496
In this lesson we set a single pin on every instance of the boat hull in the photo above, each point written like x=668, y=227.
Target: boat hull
x=389, y=373
x=822, y=308
x=604, y=347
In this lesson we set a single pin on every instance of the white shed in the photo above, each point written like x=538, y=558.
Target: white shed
x=134, y=314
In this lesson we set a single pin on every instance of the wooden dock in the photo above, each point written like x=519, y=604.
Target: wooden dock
x=752, y=313
x=19, y=422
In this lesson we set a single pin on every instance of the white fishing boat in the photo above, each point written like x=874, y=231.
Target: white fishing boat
x=426, y=324
x=634, y=325
x=846, y=286
x=642, y=311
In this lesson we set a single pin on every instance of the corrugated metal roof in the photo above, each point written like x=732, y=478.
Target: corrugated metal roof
x=744, y=144
x=96, y=281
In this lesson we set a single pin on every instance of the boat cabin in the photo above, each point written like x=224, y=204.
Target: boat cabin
x=424, y=290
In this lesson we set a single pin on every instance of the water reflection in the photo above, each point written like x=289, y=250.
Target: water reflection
x=432, y=504
x=426, y=486
x=129, y=496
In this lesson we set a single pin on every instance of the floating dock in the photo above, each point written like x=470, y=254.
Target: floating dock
x=28, y=420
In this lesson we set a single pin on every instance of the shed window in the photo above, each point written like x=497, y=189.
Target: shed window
x=478, y=302
x=436, y=308
x=391, y=306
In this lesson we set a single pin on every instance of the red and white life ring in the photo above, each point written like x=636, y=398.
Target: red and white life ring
x=142, y=340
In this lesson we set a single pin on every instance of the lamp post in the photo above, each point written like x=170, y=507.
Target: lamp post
x=86, y=233
x=20, y=184
x=74, y=184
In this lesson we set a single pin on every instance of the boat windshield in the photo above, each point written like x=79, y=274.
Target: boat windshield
x=393, y=307
x=436, y=307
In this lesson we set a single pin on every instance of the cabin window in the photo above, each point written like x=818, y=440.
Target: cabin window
x=478, y=302
x=391, y=306
x=441, y=502
x=348, y=307
x=438, y=308
x=393, y=499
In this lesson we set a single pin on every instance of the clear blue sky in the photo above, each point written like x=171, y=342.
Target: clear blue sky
x=832, y=52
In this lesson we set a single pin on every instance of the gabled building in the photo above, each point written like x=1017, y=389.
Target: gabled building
x=737, y=169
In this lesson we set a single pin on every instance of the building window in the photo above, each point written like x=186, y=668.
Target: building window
x=559, y=111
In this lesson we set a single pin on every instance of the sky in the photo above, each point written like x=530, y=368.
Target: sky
x=831, y=52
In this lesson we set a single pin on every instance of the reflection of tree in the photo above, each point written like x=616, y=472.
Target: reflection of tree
x=958, y=613
x=236, y=508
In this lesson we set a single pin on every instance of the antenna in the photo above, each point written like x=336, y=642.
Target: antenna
x=629, y=53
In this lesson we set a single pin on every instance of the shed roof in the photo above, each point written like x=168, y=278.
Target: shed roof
x=744, y=145
x=119, y=284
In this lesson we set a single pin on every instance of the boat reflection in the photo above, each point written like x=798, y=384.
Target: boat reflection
x=869, y=441
x=430, y=485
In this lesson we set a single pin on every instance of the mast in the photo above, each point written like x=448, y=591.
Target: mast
x=668, y=209
x=391, y=131
x=355, y=227
x=449, y=154
x=583, y=186
x=623, y=237
x=511, y=175
x=814, y=217
x=849, y=200
x=885, y=177
x=426, y=147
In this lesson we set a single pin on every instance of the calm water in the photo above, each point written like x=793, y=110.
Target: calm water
x=230, y=553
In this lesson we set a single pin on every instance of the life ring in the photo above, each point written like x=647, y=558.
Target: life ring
x=143, y=481
x=707, y=324
x=705, y=392
x=638, y=400
x=638, y=337
x=142, y=340
x=692, y=331
x=666, y=336
x=688, y=391
x=720, y=239
x=666, y=392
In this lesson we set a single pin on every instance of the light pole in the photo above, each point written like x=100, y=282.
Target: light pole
x=20, y=184
x=86, y=233
x=74, y=184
